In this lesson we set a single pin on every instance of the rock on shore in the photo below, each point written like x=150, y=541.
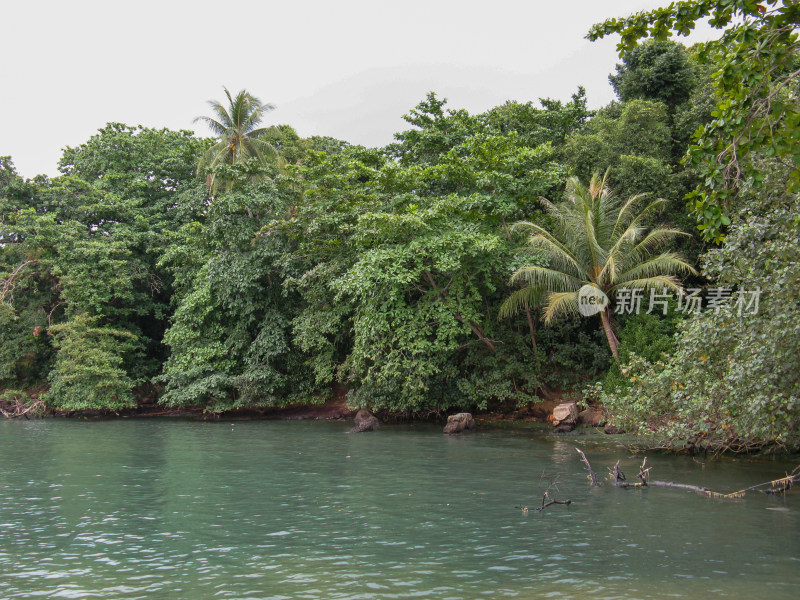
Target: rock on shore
x=365, y=421
x=458, y=423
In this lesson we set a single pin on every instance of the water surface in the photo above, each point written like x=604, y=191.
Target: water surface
x=163, y=508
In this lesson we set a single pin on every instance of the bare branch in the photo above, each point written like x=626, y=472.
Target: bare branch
x=585, y=461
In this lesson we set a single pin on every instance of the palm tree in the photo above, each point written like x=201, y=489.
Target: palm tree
x=595, y=239
x=240, y=137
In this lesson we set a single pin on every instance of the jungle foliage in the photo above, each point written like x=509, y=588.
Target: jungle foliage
x=260, y=269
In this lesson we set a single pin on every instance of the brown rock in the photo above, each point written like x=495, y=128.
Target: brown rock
x=612, y=430
x=365, y=421
x=458, y=423
x=566, y=412
x=592, y=417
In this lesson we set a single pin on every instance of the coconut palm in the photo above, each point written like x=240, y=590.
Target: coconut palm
x=240, y=137
x=595, y=239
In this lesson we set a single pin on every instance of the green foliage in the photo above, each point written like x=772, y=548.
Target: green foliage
x=401, y=263
x=637, y=131
x=89, y=370
x=435, y=132
x=420, y=290
x=655, y=70
x=731, y=382
x=594, y=238
x=755, y=78
x=650, y=337
x=77, y=264
x=553, y=123
x=380, y=269
x=576, y=352
x=241, y=140
x=229, y=341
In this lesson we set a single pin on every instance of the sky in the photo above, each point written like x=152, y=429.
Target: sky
x=348, y=69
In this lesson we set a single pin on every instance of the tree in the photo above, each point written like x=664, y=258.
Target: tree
x=241, y=140
x=230, y=339
x=78, y=265
x=661, y=71
x=595, y=239
x=756, y=80
x=731, y=381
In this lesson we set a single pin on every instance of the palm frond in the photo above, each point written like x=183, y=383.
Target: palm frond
x=657, y=238
x=626, y=214
x=666, y=263
x=215, y=126
x=557, y=251
x=528, y=296
x=560, y=304
x=222, y=113
x=656, y=282
x=549, y=279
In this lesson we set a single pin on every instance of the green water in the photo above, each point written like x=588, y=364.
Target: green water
x=279, y=510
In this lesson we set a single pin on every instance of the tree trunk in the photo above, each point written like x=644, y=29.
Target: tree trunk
x=477, y=331
x=613, y=342
x=530, y=326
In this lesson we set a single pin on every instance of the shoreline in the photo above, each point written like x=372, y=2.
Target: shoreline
x=334, y=408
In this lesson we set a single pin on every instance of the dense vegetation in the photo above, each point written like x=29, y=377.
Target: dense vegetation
x=259, y=269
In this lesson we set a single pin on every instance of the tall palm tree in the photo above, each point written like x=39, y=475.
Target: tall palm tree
x=595, y=239
x=240, y=137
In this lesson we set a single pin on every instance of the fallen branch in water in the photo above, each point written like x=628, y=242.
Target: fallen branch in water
x=617, y=475
x=20, y=409
x=644, y=472
x=592, y=476
x=548, y=500
x=776, y=486
x=682, y=486
x=551, y=502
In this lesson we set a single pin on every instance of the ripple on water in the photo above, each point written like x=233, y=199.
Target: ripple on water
x=182, y=509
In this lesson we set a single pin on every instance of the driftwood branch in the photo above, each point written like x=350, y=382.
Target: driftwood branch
x=680, y=486
x=547, y=500
x=644, y=473
x=20, y=409
x=551, y=502
x=617, y=475
x=585, y=461
x=775, y=486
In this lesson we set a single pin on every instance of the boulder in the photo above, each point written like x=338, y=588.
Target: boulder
x=458, y=423
x=566, y=412
x=365, y=421
x=612, y=430
x=591, y=417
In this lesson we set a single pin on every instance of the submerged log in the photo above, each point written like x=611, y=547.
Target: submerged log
x=776, y=486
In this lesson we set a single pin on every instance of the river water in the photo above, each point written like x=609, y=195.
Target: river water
x=162, y=508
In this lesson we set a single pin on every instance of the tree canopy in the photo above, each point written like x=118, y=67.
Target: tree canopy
x=260, y=269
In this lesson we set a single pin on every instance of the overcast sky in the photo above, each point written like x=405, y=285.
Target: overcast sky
x=349, y=69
